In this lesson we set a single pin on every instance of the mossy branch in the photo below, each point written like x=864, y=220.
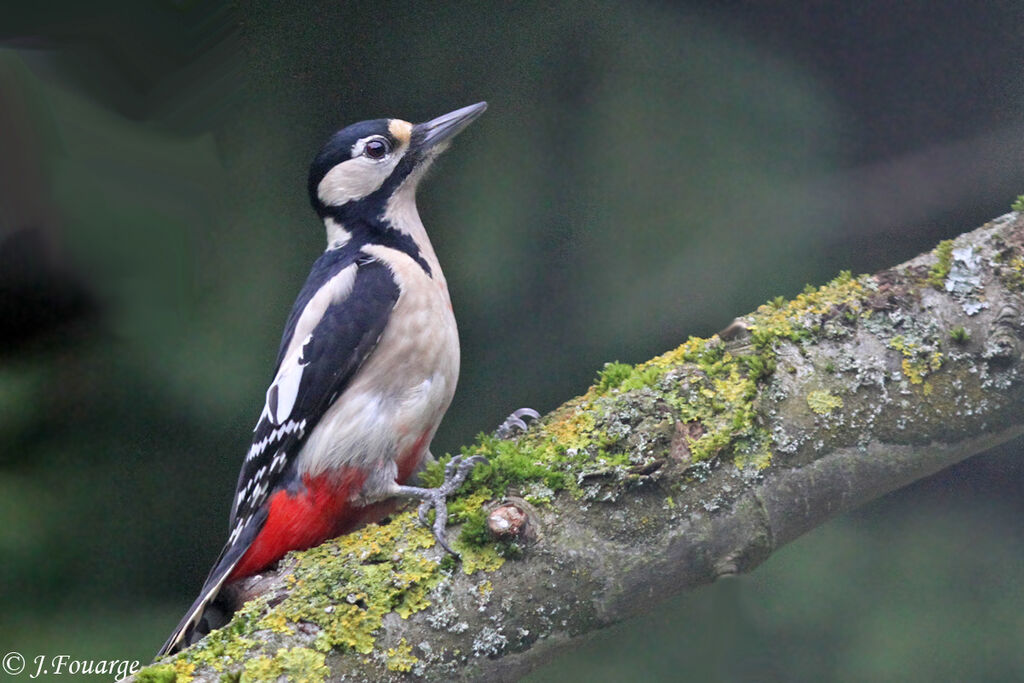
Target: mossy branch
x=662, y=477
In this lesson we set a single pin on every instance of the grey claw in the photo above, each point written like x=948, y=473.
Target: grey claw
x=440, y=521
x=422, y=512
x=444, y=544
x=449, y=469
x=515, y=423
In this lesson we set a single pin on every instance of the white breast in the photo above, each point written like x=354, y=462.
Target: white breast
x=403, y=389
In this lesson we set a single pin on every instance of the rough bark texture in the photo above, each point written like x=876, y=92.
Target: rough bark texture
x=663, y=477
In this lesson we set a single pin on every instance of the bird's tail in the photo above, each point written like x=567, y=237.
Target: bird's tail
x=199, y=620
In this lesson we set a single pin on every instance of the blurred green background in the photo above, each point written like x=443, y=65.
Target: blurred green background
x=646, y=171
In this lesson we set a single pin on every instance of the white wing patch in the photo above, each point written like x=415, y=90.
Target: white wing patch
x=286, y=384
x=286, y=387
x=334, y=290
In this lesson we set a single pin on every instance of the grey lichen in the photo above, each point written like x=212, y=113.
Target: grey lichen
x=964, y=280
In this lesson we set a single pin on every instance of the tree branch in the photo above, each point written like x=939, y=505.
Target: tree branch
x=663, y=477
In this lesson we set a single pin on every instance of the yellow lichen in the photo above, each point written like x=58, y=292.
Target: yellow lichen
x=571, y=428
x=296, y=665
x=1011, y=273
x=687, y=349
x=347, y=586
x=411, y=579
x=401, y=658
x=796, y=319
x=759, y=459
x=275, y=621
x=723, y=407
x=918, y=361
x=183, y=671
x=823, y=402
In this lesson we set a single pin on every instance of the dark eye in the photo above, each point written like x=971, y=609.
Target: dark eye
x=376, y=149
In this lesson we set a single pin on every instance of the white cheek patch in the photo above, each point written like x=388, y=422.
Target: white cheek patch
x=358, y=177
x=352, y=179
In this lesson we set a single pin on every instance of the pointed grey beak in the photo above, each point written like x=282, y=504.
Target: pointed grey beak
x=446, y=126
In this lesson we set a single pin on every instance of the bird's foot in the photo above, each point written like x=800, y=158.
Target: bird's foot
x=515, y=423
x=455, y=473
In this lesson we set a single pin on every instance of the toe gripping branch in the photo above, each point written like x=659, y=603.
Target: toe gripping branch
x=455, y=473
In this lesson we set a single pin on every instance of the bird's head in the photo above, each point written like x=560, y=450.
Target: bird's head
x=363, y=165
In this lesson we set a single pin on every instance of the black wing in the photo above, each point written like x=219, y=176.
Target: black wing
x=329, y=357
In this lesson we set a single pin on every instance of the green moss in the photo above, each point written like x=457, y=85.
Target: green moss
x=474, y=528
x=958, y=335
x=944, y=261
x=758, y=366
x=721, y=400
x=160, y=673
x=801, y=319
x=473, y=558
x=298, y=664
x=345, y=587
x=612, y=376
x=623, y=377
x=1018, y=204
x=823, y=402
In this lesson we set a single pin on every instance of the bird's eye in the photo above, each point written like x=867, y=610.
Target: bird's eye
x=376, y=149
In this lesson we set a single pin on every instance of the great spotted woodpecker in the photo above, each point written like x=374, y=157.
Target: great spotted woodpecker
x=367, y=365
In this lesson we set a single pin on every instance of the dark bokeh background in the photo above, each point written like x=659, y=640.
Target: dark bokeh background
x=646, y=171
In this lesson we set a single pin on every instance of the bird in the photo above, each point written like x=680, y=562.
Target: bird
x=366, y=369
